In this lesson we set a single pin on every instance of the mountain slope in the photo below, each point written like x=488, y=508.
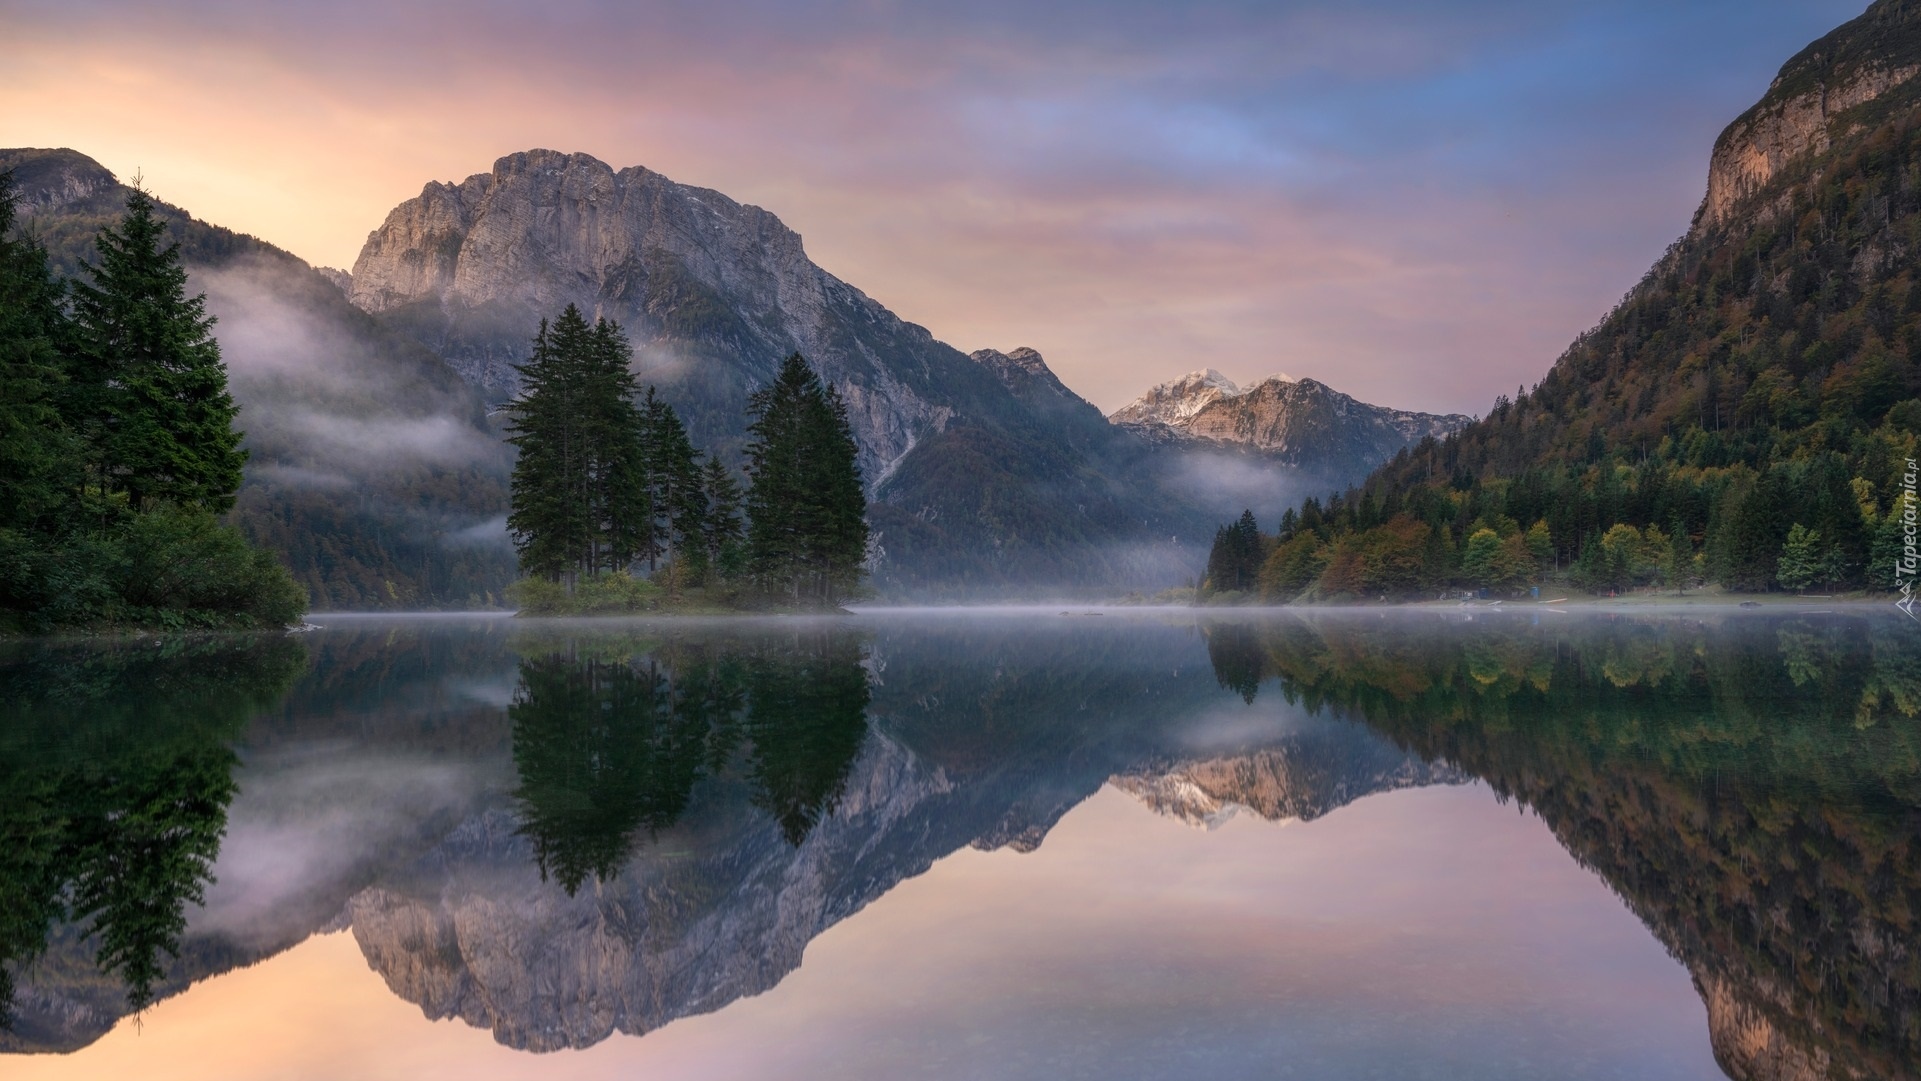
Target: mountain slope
x=371, y=463
x=1764, y=374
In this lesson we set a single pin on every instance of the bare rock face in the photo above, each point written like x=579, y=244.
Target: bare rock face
x=713, y=293
x=1757, y=147
x=1746, y=1044
x=1302, y=423
x=1818, y=95
x=341, y=280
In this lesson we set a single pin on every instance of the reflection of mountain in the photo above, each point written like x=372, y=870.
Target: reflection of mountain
x=976, y=733
x=1752, y=790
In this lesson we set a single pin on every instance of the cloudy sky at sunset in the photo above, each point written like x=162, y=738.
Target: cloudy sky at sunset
x=1418, y=203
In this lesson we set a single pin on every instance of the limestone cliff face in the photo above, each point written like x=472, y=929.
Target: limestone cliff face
x=714, y=293
x=1807, y=106
x=1302, y=423
x=1752, y=152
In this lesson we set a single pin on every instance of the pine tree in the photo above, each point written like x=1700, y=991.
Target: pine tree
x=36, y=449
x=149, y=387
x=807, y=532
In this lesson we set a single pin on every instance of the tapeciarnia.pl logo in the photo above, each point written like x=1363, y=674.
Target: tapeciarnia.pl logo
x=1910, y=560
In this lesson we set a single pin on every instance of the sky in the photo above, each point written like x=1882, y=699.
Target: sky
x=1418, y=203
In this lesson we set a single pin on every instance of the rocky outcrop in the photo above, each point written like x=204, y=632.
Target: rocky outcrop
x=341, y=280
x=714, y=293
x=1818, y=96
x=1746, y=1044
x=1758, y=146
x=1303, y=423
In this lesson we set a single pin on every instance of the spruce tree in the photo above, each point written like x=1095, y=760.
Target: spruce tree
x=552, y=521
x=148, y=385
x=724, y=535
x=617, y=454
x=807, y=532
x=36, y=449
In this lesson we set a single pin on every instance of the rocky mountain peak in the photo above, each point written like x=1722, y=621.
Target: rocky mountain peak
x=1177, y=400
x=49, y=180
x=1300, y=422
x=712, y=292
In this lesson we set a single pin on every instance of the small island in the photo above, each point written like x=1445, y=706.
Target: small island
x=614, y=511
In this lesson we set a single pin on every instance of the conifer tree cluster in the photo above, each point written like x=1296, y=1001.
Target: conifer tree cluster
x=1234, y=562
x=606, y=482
x=608, y=485
x=117, y=446
x=807, y=515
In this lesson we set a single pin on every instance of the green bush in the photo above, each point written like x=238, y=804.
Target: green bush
x=601, y=595
x=169, y=567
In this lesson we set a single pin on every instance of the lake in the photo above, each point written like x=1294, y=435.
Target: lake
x=1035, y=843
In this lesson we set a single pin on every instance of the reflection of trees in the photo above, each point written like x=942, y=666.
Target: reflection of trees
x=611, y=742
x=1235, y=650
x=1753, y=790
x=117, y=771
x=807, y=722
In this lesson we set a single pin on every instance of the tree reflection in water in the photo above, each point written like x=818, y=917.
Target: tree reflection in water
x=117, y=768
x=611, y=737
x=1752, y=788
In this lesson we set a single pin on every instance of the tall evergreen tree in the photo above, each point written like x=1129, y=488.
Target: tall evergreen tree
x=148, y=386
x=616, y=447
x=676, y=497
x=35, y=446
x=807, y=513
x=725, y=534
x=552, y=521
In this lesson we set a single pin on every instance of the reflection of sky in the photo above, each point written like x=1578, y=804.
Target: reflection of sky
x=1420, y=203
x=1422, y=934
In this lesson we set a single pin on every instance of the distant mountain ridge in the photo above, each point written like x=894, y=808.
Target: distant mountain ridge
x=1302, y=423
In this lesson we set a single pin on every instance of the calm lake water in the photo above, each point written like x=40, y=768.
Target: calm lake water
x=1033, y=844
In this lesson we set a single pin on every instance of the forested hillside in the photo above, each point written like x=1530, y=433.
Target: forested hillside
x=1744, y=416
x=374, y=472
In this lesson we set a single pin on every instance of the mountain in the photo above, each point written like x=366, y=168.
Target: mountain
x=373, y=471
x=1301, y=423
x=1765, y=374
x=986, y=473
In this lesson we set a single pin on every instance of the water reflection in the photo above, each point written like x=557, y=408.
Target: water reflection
x=1752, y=789
x=610, y=738
x=559, y=836
x=115, y=802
